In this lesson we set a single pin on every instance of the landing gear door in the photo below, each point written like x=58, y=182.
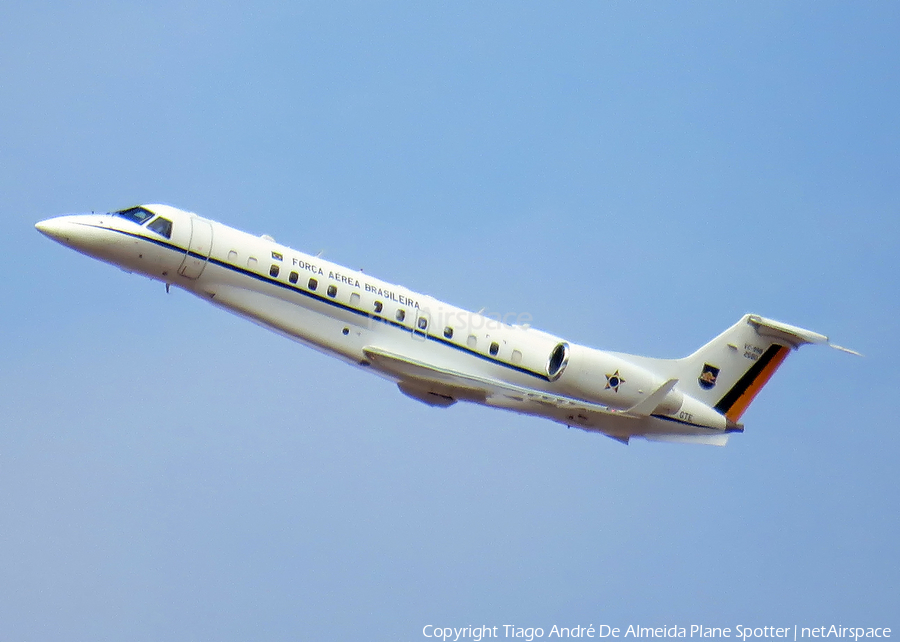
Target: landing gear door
x=198, y=249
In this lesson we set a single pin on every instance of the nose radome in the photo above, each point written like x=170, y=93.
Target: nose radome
x=81, y=232
x=93, y=235
x=54, y=228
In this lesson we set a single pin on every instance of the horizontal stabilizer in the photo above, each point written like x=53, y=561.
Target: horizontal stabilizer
x=793, y=335
x=646, y=407
x=843, y=349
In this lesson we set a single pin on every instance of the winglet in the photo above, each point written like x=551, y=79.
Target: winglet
x=645, y=407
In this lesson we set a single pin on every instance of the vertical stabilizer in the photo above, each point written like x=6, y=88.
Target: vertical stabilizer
x=729, y=371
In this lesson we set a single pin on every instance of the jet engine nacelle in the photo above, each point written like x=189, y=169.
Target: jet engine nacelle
x=600, y=377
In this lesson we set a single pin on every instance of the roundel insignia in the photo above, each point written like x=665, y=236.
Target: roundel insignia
x=708, y=377
x=613, y=381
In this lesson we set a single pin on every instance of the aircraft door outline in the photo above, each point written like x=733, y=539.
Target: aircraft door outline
x=199, y=249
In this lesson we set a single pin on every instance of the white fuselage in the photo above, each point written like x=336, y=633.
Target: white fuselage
x=360, y=318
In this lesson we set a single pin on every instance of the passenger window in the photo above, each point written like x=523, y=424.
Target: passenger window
x=495, y=348
x=313, y=284
x=273, y=271
x=277, y=256
x=161, y=226
x=401, y=314
x=378, y=307
x=422, y=323
x=448, y=332
x=232, y=255
x=251, y=263
x=516, y=356
x=292, y=277
x=472, y=341
x=354, y=299
x=332, y=291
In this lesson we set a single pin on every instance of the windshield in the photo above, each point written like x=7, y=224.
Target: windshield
x=161, y=226
x=137, y=214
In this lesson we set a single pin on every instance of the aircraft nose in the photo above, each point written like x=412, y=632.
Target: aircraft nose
x=55, y=228
x=84, y=233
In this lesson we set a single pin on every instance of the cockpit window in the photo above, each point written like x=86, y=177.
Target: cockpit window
x=137, y=214
x=161, y=226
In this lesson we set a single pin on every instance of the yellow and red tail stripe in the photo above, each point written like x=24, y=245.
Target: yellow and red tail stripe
x=736, y=400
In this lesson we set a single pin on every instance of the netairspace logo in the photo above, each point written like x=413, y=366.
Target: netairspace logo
x=740, y=632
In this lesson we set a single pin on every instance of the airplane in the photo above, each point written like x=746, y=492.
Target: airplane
x=437, y=353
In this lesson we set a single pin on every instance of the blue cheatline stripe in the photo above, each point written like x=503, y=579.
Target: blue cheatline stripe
x=342, y=306
x=331, y=302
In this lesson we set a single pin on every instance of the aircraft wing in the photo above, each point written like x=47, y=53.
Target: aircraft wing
x=442, y=387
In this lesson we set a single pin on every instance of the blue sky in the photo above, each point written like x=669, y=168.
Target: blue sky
x=634, y=176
